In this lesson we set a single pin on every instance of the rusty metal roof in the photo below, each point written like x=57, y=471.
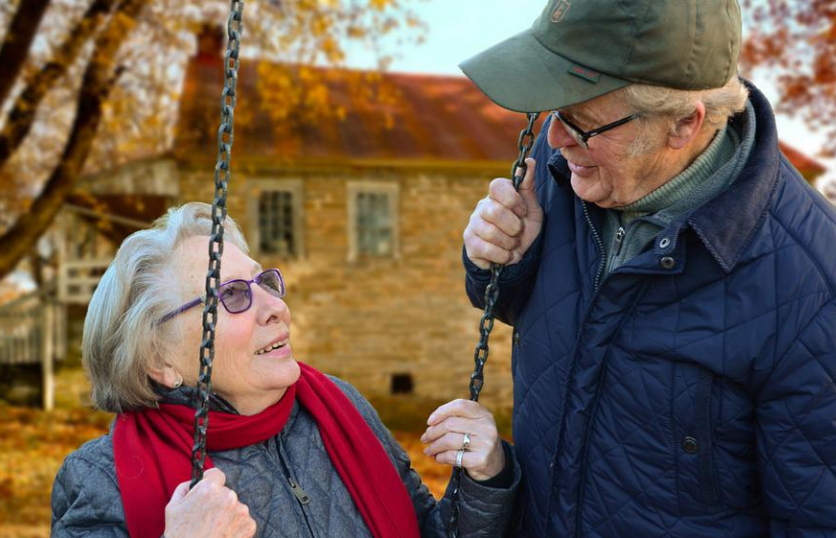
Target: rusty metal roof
x=425, y=119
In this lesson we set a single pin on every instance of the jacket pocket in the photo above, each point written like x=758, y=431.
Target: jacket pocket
x=693, y=441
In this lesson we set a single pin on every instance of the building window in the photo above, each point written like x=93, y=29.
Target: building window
x=275, y=217
x=402, y=384
x=373, y=220
x=374, y=224
x=275, y=223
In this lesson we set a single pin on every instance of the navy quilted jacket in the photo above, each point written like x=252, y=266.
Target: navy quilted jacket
x=690, y=393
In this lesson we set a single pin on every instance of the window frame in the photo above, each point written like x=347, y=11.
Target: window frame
x=389, y=188
x=296, y=190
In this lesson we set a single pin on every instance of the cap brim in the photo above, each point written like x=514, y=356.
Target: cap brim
x=522, y=75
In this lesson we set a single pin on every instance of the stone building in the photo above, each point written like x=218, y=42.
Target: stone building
x=363, y=214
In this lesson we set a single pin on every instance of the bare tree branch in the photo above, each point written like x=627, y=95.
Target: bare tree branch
x=16, y=44
x=22, y=115
x=16, y=242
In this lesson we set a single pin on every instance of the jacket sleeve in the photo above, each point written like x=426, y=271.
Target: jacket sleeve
x=517, y=280
x=796, y=433
x=86, y=501
x=484, y=512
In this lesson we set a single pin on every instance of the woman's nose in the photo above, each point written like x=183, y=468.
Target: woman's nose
x=558, y=137
x=270, y=307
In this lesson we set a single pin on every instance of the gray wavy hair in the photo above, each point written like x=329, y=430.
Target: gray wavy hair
x=121, y=335
x=657, y=103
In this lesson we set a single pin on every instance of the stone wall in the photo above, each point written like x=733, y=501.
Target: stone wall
x=370, y=319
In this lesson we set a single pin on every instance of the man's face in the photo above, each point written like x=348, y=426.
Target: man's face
x=608, y=174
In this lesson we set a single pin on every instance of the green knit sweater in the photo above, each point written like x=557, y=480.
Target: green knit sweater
x=630, y=229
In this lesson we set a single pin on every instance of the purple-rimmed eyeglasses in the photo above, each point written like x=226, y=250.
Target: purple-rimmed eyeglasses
x=582, y=137
x=237, y=295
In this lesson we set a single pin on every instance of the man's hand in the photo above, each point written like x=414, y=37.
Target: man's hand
x=209, y=510
x=505, y=223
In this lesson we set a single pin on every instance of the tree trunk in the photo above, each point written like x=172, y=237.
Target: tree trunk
x=98, y=79
x=22, y=115
x=16, y=44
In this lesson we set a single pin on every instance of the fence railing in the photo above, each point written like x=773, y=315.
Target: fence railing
x=77, y=279
x=33, y=330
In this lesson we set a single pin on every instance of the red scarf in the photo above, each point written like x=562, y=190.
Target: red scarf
x=152, y=450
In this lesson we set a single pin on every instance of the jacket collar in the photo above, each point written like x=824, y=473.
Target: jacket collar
x=727, y=223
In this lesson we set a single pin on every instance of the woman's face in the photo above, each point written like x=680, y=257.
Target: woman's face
x=249, y=377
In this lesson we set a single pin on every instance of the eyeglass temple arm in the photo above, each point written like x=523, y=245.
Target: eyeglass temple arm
x=612, y=125
x=183, y=308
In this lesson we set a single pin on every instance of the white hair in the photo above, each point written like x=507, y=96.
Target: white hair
x=122, y=337
x=658, y=103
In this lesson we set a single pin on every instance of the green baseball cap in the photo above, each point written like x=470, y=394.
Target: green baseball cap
x=580, y=49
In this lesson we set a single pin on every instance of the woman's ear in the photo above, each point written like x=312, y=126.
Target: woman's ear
x=686, y=129
x=166, y=375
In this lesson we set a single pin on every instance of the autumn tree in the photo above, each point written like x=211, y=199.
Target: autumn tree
x=86, y=84
x=796, y=39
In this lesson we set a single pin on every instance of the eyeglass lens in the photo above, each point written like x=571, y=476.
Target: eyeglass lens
x=236, y=295
x=271, y=282
x=572, y=130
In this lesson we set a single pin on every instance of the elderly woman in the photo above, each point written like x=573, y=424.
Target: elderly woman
x=291, y=452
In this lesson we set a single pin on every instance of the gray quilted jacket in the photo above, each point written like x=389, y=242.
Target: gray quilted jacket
x=288, y=482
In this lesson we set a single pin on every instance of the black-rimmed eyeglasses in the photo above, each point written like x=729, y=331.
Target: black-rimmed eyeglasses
x=236, y=296
x=580, y=136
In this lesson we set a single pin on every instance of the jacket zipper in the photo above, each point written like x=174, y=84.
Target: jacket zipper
x=600, y=244
x=619, y=236
x=303, y=498
x=594, y=411
x=612, y=260
x=297, y=490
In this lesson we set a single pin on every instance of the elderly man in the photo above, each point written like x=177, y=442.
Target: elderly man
x=671, y=282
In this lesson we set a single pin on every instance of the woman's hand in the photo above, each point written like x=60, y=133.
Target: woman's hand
x=209, y=510
x=484, y=457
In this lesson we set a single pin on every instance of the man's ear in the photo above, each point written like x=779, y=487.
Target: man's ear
x=686, y=129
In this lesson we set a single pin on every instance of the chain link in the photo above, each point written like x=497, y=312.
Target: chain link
x=477, y=378
x=234, y=27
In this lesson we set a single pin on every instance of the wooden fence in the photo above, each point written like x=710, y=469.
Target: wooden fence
x=33, y=329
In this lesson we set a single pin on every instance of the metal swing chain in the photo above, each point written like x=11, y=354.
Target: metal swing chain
x=234, y=27
x=477, y=378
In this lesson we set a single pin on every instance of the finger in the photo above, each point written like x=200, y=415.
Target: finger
x=242, y=511
x=478, y=249
x=493, y=235
x=527, y=187
x=180, y=491
x=502, y=217
x=249, y=529
x=470, y=459
x=458, y=425
x=214, y=476
x=460, y=408
x=451, y=441
x=502, y=190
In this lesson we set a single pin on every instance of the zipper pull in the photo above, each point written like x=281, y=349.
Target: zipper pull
x=297, y=490
x=619, y=237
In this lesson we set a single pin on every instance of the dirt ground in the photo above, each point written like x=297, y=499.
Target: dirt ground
x=34, y=443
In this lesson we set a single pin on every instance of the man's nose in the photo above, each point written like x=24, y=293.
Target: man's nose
x=558, y=137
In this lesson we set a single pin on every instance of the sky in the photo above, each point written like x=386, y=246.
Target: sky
x=458, y=29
